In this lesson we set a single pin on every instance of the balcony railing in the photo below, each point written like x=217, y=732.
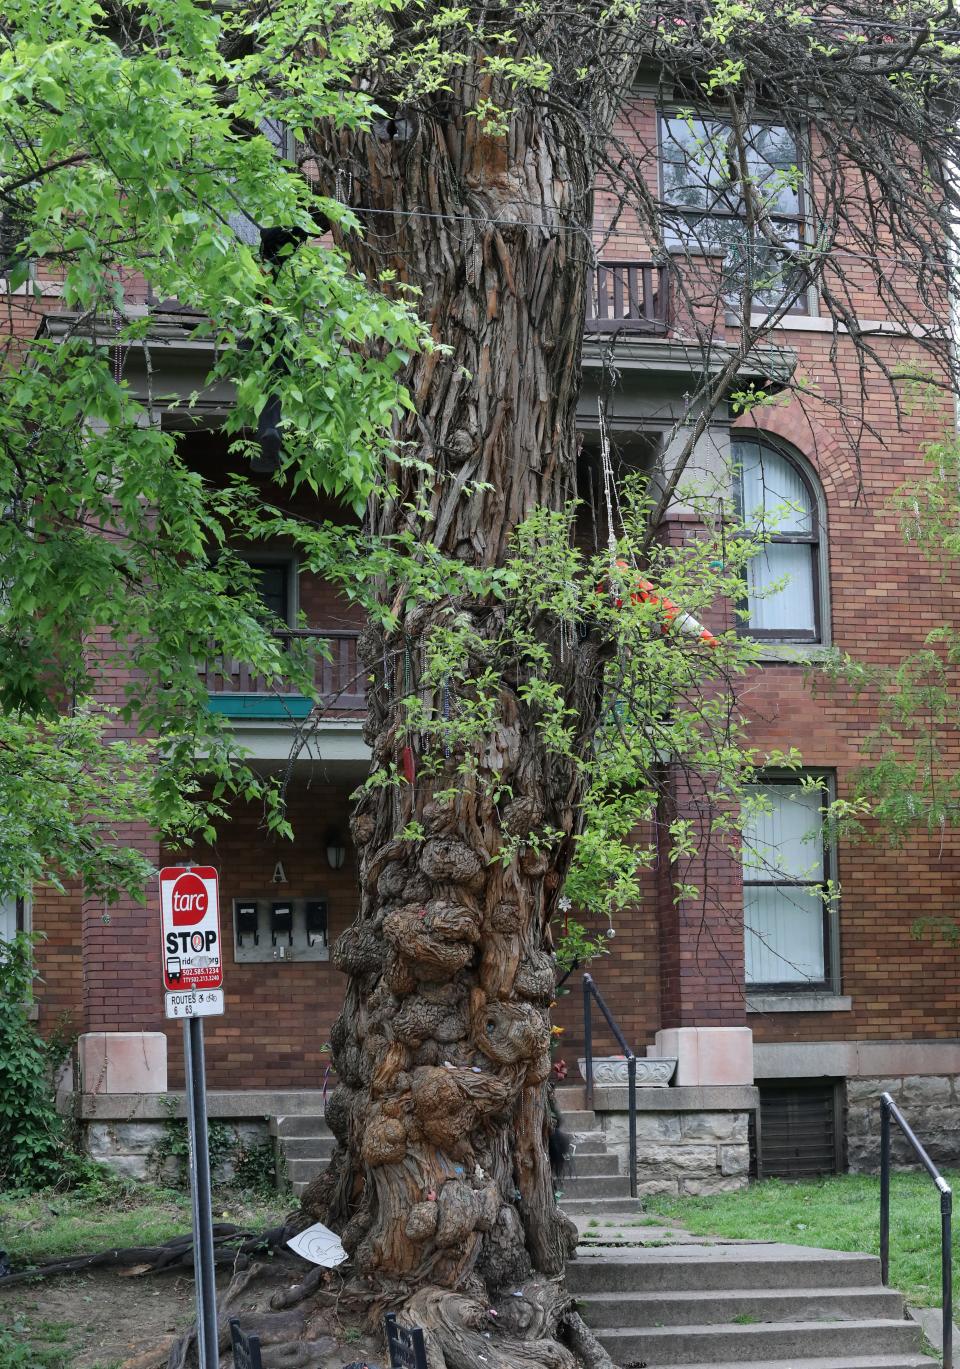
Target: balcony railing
x=627, y=297
x=339, y=676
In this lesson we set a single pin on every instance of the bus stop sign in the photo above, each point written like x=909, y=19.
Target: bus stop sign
x=192, y=950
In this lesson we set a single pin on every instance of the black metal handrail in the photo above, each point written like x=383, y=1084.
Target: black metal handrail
x=590, y=990
x=888, y=1109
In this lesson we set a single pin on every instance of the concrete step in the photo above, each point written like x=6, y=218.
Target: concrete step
x=765, y=1341
x=302, y=1171
x=702, y=1268
x=570, y=1097
x=578, y=1119
x=299, y=1126
x=586, y=1163
x=590, y=1143
x=834, y=1362
x=724, y=1307
x=307, y=1147
x=595, y=1185
x=599, y=1207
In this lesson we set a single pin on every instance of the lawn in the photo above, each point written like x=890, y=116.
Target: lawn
x=841, y=1213
x=51, y=1225
x=95, y=1320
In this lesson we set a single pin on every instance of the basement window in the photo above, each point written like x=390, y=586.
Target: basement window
x=798, y=1132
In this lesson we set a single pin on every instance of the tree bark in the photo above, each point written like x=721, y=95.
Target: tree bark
x=441, y=1185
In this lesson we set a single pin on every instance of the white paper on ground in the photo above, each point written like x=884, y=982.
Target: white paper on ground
x=319, y=1245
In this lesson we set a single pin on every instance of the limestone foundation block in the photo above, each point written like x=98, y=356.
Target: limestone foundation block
x=708, y=1055
x=678, y=1159
x=651, y=1126
x=704, y=1188
x=714, y=1126
x=123, y=1062
x=734, y=1160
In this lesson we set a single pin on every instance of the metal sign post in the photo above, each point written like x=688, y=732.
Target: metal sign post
x=193, y=984
x=208, y=1338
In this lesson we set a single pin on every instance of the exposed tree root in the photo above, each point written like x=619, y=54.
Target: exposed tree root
x=584, y=1343
x=296, y=1293
x=299, y=1320
x=232, y=1245
x=463, y=1334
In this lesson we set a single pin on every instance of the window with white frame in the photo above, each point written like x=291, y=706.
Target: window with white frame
x=786, y=579
x=703, y=201
x=12, y=918
x=786, y=869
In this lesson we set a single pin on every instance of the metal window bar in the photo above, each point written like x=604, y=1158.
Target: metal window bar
x=590, y=991
x=888, y=1109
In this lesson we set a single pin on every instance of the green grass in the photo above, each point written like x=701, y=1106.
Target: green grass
x=31, y=1343
x=841, y=1213
x=38, y=1227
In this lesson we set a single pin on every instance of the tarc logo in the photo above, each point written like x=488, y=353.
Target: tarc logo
x=190, y=901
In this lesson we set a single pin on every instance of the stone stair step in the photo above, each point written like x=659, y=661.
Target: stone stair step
x=724, y=1306
x=570, y=1097
x=599, y=1207
x=833, y=1362
x=780, y=1340
x=705, y=1268
x=307, y=1147
x=587, y=1163
x=302, y=1171
x=595, y=1185
x=590, y=1143
x=299, y=1126
x=578, y=1119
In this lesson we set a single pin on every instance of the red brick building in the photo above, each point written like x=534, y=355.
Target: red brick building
x=757, y=988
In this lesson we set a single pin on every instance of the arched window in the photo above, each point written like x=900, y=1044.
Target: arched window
x=786, y=579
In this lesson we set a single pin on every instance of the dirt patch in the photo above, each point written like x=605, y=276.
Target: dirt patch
x=102, y=1318
x=99, y=1319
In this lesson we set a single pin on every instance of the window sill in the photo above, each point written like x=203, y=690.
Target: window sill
x=36, y=289
x=798, y=1002
x=792, y=653
x=816, y=323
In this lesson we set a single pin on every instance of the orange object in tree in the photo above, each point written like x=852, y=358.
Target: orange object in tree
x=673, y=616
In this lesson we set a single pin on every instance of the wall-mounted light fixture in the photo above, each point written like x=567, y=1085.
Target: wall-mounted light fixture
x=336, y=851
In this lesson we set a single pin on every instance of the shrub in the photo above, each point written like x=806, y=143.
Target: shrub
x=32, y=1139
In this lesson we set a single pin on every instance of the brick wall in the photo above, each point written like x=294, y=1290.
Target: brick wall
x=666, y=964
x=278, y=1014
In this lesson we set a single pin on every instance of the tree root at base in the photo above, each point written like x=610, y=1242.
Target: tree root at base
x=299, y=1323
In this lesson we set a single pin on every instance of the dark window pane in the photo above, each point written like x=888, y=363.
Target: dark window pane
x=272, y=585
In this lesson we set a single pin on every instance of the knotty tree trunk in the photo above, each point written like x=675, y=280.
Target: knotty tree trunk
x=441, y=1184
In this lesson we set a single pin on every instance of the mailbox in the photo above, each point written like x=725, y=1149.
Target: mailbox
x=316, y=921
x=247, y=923
x=281, y=922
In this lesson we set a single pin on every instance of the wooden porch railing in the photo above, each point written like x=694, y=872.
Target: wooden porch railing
x=628, y=297
x=340, y=679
